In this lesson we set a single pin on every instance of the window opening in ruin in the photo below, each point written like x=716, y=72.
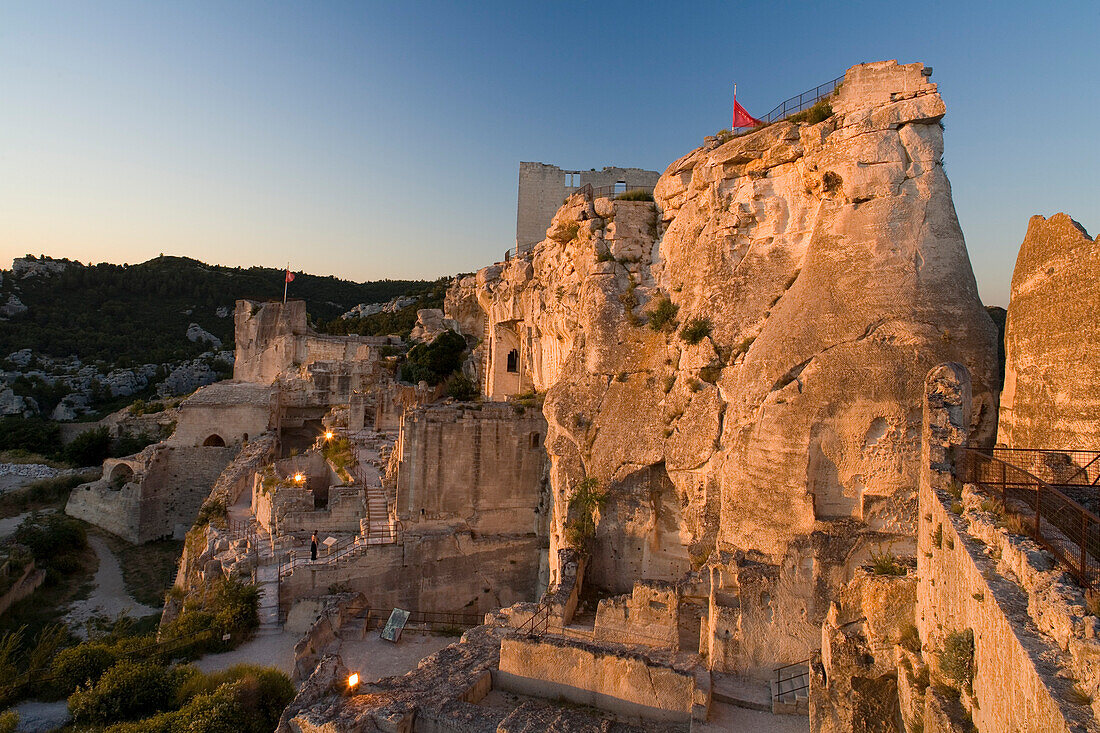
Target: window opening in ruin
x=121, y=475
x=620, y=187
x=214, y=440
x=513, y=361
x=572, y=180
x=535, y=439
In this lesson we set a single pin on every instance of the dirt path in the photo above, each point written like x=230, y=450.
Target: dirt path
x=109, y=598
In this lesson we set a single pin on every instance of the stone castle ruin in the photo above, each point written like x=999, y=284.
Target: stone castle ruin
x=717, y=457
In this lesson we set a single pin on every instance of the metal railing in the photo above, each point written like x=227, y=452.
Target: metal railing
x=435, y=619
x=539, y=621
x=790, y=679
x=1048, y=512
x=609, y=191
x=1065, y=467
x=802, y=101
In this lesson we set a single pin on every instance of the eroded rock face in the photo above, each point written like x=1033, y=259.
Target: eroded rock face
x=1051, y=395
x=821, y=272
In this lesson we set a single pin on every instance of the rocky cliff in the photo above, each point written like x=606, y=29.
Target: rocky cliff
x=1051, y=394
x=740, y=363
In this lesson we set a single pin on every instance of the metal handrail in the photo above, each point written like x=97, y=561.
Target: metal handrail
x=539, y=621
x=803, y=674
x=1055, y=520
x=610, y=190
x=802, y=101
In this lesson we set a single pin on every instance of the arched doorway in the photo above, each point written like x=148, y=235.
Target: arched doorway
x=214, y=440
x=121, y=475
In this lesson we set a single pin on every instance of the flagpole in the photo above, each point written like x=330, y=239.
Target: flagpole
x=285, y=281
x=733, y=119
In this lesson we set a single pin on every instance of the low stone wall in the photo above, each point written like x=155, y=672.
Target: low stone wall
x=322, y=634
x=650, y=616
x=608, y=677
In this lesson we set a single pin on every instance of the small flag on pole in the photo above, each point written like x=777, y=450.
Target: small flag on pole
x=289, y=276
x=741, y=118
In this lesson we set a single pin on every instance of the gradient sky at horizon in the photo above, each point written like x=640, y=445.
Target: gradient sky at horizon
x=372, y=140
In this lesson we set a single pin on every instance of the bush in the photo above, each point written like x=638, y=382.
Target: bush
x=696, y=330
x=586, y=500
x=89, y=448
x=432, y=363
x=127, y=691
x=818, y=113
x=82, y=664
x=637, y=194
x=9, y=721
x=957, y=657
x=662, y=317
x=51, y=538
x=461, y=388
x=34, y=435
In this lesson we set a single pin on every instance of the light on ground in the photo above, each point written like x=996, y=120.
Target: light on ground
x=328, y=435
x=353, y=680
x=299, y=478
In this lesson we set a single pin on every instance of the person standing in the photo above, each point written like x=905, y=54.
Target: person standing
x=313, y=547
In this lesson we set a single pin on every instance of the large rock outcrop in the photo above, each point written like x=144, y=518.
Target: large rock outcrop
x=1051, y=395
x=761, y=433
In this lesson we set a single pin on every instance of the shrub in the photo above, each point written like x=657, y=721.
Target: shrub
x=662, y=317
x=34, y=435
x=886, y=563
x=957, y=657
x=89, y=448
x=604, y=256
x=434, y=362
x=9, y=721
x=696, y=330
x=82, y=664
x=461, y=388
x=51, y=537
x=212, y=511
x=820, y=112
x=586, y=500
x=636, y=194
x=127, y=691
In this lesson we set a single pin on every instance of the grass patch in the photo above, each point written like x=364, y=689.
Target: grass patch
x=886, y=563
x=637, y=194
x=148, y=570
x=910, y=638
x=566, y=233
x=818, y=113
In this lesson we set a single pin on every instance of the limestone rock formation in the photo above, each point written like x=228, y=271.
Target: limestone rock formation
x=1051, y=395
x=798, y=282
x=195, y=332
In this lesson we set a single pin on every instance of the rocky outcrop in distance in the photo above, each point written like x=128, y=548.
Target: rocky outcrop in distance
x=1051, y=396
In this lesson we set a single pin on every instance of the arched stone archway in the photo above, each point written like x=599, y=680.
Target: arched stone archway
x=121, y=474
x=214, y=440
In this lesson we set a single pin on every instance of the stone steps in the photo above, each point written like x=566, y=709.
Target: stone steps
x=742, y=692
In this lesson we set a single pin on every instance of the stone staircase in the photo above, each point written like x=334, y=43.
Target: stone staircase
x=267, y=580
x=790, y=690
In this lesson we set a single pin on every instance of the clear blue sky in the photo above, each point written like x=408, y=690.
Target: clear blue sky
x=372, y=140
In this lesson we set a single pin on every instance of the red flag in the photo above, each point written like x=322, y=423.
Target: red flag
x=289, y=276
x=741, y=118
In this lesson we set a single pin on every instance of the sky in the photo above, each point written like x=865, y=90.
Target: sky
x=372, y=140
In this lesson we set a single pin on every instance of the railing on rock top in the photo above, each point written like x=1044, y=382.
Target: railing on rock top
x=802, y=101
x=1054, y=515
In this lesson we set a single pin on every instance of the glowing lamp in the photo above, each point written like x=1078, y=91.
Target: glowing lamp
x=328, y=435
x=299, y=478
x=353, y=680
